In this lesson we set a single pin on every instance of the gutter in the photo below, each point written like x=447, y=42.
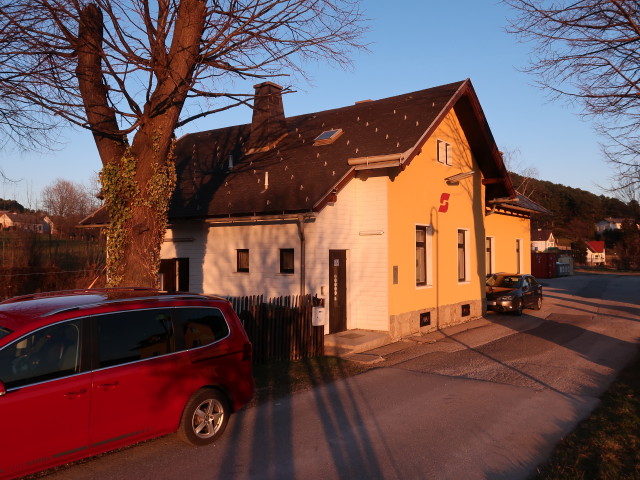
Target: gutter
x=255, y=219
x=378, y=161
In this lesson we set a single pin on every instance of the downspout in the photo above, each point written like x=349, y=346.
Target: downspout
x=302, y=255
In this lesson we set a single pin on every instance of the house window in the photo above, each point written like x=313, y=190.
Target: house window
x=463, y=257
x=286, y=260
x=423, y=255
x=242, y=260
x=328, y=136
x=444, y=152
x=173, y=274
x=488, y=258
x=518, y=255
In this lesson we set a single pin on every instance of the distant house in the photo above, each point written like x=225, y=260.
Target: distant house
x=25, y=222
x=541, y=240
x=595, y=253
x=392, y=210
x=609, y=224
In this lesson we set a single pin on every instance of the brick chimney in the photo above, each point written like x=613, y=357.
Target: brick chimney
x=268, y=125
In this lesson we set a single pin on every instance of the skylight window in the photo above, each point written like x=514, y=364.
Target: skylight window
x=327, y=137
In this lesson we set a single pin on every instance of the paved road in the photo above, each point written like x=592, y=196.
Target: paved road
x=485, y=400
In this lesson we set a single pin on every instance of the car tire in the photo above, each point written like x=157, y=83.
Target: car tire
x=538, y=304
x=519, y=308
x=205, y=417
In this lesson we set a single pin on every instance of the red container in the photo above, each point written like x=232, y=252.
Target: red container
x=543, y=265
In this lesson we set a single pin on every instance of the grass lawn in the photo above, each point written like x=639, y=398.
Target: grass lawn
x=607, y=444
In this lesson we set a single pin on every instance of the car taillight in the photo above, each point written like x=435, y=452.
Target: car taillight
x=247, y=352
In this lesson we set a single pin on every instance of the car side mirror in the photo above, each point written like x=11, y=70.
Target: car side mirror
x=3, y=390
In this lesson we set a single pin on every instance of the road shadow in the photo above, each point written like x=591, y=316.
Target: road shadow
x=272, y=425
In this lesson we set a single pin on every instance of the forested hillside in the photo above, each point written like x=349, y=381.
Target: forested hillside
x=575, y=211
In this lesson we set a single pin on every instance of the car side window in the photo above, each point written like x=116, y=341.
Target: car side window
x=199, y=326
x=125, y=337
x=46, y=354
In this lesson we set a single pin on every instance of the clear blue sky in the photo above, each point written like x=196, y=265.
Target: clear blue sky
x=414, y=44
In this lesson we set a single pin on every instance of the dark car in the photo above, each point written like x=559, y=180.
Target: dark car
x=83, y=372
x=512, y=292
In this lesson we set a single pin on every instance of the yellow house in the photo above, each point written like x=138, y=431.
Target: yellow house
x=462, y=229
x=393, y=211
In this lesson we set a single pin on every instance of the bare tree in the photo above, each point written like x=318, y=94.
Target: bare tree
x=24, y=126
x=67, y=203
x=524, y=185
x=126, y=70
x=588, y=51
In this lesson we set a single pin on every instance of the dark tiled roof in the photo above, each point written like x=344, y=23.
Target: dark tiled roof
x=98, y=218
x=301, y=175
x=528, y=204
x=540, y=235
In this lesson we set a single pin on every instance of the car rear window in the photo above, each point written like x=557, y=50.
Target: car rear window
x=507, y=281
x=196, y=327
x=133, y=335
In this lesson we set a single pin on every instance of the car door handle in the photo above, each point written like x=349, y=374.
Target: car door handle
x=108, y=386
x=80, y=392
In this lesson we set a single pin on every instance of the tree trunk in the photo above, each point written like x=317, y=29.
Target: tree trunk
x=138, y=181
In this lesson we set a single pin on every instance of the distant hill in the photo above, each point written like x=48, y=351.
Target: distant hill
x=575, y=211
x=11, y=206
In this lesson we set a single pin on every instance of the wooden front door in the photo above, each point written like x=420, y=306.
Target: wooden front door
x=337, y=291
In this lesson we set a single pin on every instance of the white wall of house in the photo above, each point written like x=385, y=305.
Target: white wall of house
x=213, y=257
x=542, y=245
x=595, y=258
x=608, y=224
x=357, y=223
x=187, y=240
x=538, y=245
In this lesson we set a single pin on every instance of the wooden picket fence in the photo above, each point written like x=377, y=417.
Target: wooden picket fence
x=280, y=328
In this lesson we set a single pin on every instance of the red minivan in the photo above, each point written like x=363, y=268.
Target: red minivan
x=83, y=372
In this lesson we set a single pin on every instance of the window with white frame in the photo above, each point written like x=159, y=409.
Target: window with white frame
x=423, y=255
x=463, y=255
x=444, y=152
x=488, y=252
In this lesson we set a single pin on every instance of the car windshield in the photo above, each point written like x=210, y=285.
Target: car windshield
x=505, y=281
x=4, y=331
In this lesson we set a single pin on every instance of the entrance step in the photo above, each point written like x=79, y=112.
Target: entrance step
x=354, y=341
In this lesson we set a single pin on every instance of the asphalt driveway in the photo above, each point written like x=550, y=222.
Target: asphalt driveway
x=488, y=399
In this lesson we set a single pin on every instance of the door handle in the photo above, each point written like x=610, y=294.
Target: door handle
x=108, y=386
x=71, y=395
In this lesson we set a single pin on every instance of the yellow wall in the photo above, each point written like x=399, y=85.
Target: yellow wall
x=414, y=199
x=505, y=229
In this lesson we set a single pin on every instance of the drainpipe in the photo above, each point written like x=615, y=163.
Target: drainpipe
x=302, y=254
